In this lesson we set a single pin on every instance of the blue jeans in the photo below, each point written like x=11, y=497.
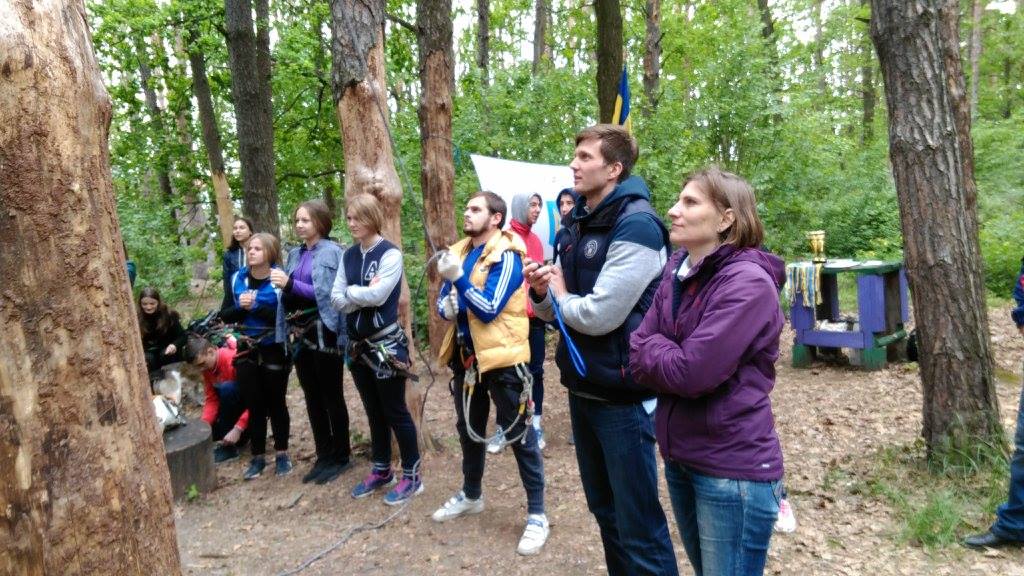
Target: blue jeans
x=726, y=525
x=1009, y=522
x=619, y=472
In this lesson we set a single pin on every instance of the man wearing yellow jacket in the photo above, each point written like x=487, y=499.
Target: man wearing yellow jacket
x=488, y=350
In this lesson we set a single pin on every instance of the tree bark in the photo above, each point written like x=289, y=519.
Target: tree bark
x=211, y=138
x=652, y=55
x=357, y=50
x=975, y=53
x=483, y=39
x=83, y=482
x=437, y=169
x=541, y=22
x=867, y=88
x=249, y=65
x=932, y=161
x=609, y=55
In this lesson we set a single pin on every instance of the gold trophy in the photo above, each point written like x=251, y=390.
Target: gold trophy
x=817, y=239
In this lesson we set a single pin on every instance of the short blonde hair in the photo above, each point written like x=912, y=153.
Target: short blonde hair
x=367, y=210
x=271, y=246
x=727, y=190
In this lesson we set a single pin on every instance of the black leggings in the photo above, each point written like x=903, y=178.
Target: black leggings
x=320, y=375
x=263, y=376
x=384, y=400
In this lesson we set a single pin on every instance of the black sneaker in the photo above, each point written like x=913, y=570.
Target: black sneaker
x=316, y=470
x=283, y=465
x=255, y=470
x=224, y=453
x=332, y=471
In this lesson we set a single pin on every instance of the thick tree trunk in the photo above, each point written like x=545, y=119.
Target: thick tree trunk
x=652, y=55
x=931, y=154
x=357, y=50
x=253, y=115
x=211, y=139
x=867, y=88
x=483, y=39
x=609, y=55
x=541, y=22
x=437, y=170
x=975, y=52
x=83, y=481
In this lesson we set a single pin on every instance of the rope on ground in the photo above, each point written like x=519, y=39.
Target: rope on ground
x=366, y=527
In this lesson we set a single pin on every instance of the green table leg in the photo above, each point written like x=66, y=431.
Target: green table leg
x=873, y=358
x=802, y=356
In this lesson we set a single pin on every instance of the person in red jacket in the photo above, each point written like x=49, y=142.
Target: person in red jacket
x=523, y=213
x=224, y=409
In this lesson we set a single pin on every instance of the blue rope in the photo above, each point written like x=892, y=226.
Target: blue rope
x=574, y=353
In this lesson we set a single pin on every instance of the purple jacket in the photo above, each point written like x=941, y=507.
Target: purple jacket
x=708, y=346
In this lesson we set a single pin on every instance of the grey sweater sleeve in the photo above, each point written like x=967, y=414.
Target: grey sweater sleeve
x=389, y=273
x=628, y=269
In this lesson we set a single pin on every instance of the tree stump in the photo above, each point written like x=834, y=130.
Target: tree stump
x=189, y=451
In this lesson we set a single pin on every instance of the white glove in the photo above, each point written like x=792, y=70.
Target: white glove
x=451, y=305
x=449, y=267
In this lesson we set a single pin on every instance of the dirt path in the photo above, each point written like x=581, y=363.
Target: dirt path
x=831, y=420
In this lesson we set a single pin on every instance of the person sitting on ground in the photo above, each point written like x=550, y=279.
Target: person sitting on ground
x=234, y=257
x=1008, y=529
x=708, y=346
x=367, y=290
x=487, y=349
x=160, y=327
x=262, y=364
x=224, y=410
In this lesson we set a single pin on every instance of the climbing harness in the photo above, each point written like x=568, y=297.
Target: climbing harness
x=380, y=353
x=524, y=414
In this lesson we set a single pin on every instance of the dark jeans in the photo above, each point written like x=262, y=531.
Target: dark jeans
x=537, y=331
x=232, y=405
x=726, y=525
x=387, y=412
x=320, y=375
x=619, y=472
x=504, y=387
x=1009, y=522
x=262, y=374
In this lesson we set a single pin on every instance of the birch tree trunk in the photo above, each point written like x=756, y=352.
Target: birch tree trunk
x=932, y=161
x=83, y=481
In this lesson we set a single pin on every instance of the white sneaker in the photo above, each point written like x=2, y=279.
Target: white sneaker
x=535, y=535
x=541, y=443
x=497, y=443
x=458, y=505
x=786, y=521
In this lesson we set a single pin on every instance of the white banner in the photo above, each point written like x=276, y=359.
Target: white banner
x=507, y=178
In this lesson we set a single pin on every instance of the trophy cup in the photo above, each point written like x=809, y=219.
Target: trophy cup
x=817, y=240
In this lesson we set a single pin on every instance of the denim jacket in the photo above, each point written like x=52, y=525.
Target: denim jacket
x=326, y=261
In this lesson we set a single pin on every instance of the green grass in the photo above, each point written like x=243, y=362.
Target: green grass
x=938, y=502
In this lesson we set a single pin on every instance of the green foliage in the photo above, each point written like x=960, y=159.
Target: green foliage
x=939, y=501
x=192, y=492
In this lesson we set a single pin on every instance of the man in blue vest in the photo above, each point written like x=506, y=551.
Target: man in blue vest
x=610, y=260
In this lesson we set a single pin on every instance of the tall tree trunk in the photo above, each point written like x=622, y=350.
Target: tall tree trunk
x=211, y=138
x=483, y=39
x=83, y=480
x=652, y=55
x=818, y=57
x=867, y=88
x=975, y=52
x=437, y=170
x=932, y=161
x=253, y=115
x=609, y=55
x=541, y=22
x=156, y=117
x=357, y=50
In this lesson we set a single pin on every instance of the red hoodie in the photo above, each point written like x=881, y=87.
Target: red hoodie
x=223, y=371
x=534, y=251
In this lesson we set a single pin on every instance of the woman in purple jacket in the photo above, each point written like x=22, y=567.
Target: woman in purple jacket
x=708, y=346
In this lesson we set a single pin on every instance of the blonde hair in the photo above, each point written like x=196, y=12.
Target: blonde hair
x=727, y=190
x=366, y=209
